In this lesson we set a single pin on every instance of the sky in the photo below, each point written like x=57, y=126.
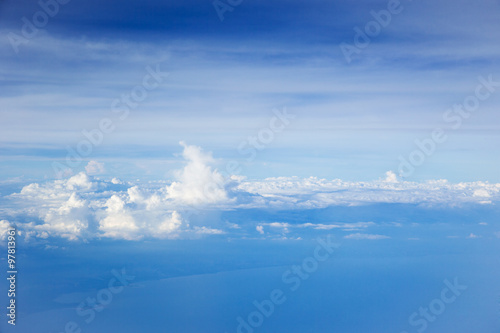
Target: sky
x=353, y=119
x=251, y=166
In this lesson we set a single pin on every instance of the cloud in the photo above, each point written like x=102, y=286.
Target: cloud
x=68, y=221
x=80, y=181
x=482, y=193
x=168, y=226
x=312, y=192
x=59, y=189
x=4, y=227
x=83, y=207
x=391, y=177
x=142, y=217
x=94, y=168
x=366, y=236
x=322, y=226
x=116, y=181
x=208, y=231
x=260, y=229
x=118, y=222
x=198, y=182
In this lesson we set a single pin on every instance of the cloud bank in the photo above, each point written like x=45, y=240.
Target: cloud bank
x=86, y=207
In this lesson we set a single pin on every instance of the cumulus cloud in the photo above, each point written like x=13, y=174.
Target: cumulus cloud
x=169, y=225
x=121, y=220
x=68, y=221
x=391, y=177
x=57, y=190
x=94, y=168
x=118, y=222
x=80, y=181
x=116, y=181
x=198, y=182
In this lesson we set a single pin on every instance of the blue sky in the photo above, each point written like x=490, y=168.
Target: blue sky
x=208, y=153
x=227, y=77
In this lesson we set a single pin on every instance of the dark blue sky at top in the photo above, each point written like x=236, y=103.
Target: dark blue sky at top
x=295, y=21
x=263, y=55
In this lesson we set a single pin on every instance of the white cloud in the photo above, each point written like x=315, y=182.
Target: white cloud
x=322, y=226
x=168, y=226
x=82, y=206
x=95, y=168
x=260, y=229
x=366, y=236
x=279, y=225
x=80, y=181
x=198, y=182
x=473, y=236
x=233, y=225
x=312, y=192
x=116, y=181
x=344, y=226
x=68, y=221
x=118, y=222
x=208, y=231
x=4, y=227
x=391, y=177
x=482, y=193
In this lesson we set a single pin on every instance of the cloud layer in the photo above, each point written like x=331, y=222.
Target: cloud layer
x=86, y=207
